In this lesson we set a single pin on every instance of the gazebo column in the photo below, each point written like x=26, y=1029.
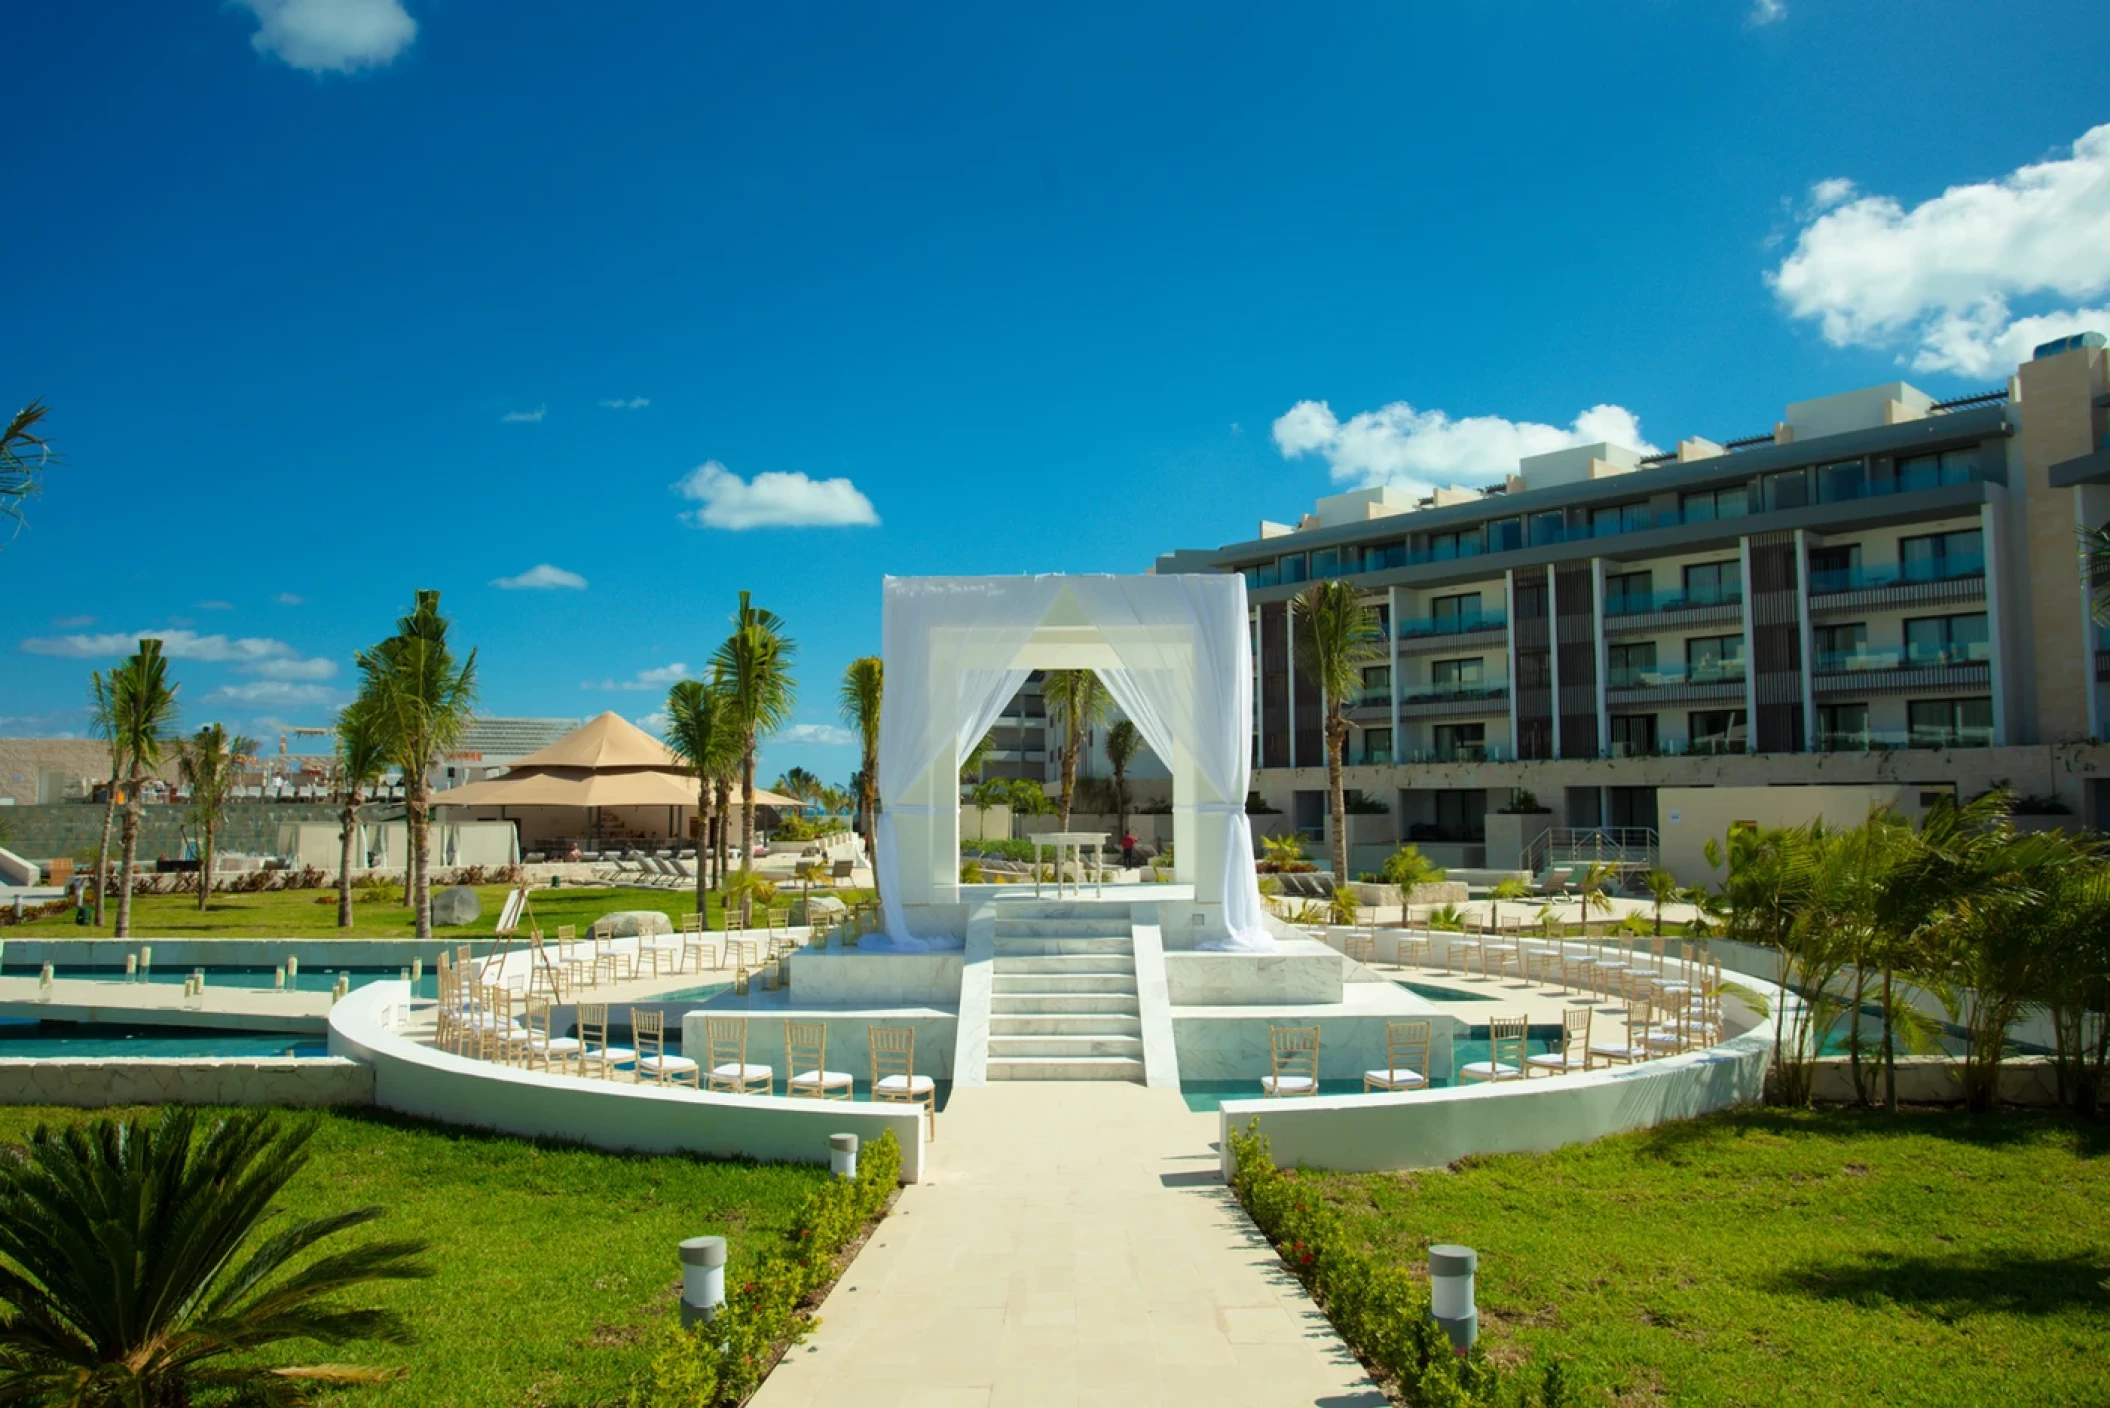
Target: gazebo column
x=1198, y=855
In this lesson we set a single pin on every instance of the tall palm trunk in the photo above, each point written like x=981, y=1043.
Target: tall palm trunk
x=703, y=842
x=1337, y=797
x=747, y=826
x=131, y=854
x=1069, y=780
x=722, y=818
x=421, y=860
x=1890, y=1050
x=350, y=822
x=204, y=863
x=102, y=851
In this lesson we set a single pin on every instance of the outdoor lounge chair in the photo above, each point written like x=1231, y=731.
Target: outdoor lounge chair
x=1406, y=1059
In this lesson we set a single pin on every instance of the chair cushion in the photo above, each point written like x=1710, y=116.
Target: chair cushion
x=1620, y=1053
x=824, y=1078
x=1553, y=1060
x=1494, y=1070
x=733, y=1070
x=666, y=1063
x=1398, y=1075
x=1281, y=1083
x=914, y=1085
x=563, y=1045
x=614, y=1053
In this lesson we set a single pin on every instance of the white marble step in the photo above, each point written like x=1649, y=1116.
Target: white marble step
x=1065, y=1024
x=1011, y=1048
x=1067, y=1068
x=1037, y=1004
x=1007, y=984
x=1038, y=945
x=1008, y=964
x=1062, y=928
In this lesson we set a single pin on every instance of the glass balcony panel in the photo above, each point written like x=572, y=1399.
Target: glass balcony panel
x=1647, y=603
x=1938, y=569
x=1416, y=627
x=1676, y=673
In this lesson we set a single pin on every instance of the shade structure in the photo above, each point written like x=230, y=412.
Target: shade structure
x=605, y=762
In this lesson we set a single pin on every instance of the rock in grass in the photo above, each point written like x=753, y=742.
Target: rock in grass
x=457, y=904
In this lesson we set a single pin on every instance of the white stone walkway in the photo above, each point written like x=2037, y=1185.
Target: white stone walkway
x=1073, y=1246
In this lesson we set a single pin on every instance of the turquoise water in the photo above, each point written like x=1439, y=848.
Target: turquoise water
x=702, y=994
x=1436, y=994
x=1207, y=1095
x=26, y=1037
x=319, y=980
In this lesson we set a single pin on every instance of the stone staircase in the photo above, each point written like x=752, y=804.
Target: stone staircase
x=1063, y=1002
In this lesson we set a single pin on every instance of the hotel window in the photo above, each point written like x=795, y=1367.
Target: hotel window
x=1714, y=584
x=1630, y=666
x=1629, y=593
x=1706, y=505
x=1377, y=746
x=1546, y=530
x=1266, y=574
x=1842, y=727
x=1618, y=518
x=1633, y=735
x=1717, y=730
x=1383, y=557
x=1714, y=659
x=1325, y=563
x=1384, y=619
x=1839, y=482
x=1933, y=471
x=1377, y=684
x=1788, y=489
x=1939, y=557
x=1455, y=613
x=1835, y=569
x=1457, y=676
x=1462, y=815
x=1444, y=547
x=1950, y=723
x=1292, y=567
x=1842, y=647
x=1947, y=640
x=1505, y=535
x=1461, y=742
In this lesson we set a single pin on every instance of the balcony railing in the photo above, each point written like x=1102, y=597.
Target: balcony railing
x=1451, y=693
x=1664, y=676
x=1842, y=662
x=1461, y=753
x=1880, y=741
x=1904, y=574
x=1419, y=627
x=1369, y=757
x=1649, y=603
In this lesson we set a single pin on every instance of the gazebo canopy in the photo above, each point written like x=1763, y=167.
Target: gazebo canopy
x=605, y=762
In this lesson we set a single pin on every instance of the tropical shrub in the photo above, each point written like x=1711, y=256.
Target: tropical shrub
x=1407, y=867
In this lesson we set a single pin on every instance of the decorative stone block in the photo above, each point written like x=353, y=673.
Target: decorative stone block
x=456, y=905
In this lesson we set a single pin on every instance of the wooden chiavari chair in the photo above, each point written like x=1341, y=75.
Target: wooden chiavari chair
x=648, y=1028
x=1506, y=1037
x=1293, y=1062
x=894, y=1078
x=806, y=1064
x=725, y=1050
x=1574, y=1052
x=1406, y=1059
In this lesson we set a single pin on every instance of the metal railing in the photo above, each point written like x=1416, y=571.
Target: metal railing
x=1621, y=847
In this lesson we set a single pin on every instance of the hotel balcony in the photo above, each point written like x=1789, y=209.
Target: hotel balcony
x=1422, y=634
x=1867, y=672
x=1676, y=684
x=1480, y=699
x=1640, y=613
x=1843, y=591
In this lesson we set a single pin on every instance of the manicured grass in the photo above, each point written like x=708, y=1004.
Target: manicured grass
x=298, y=914
x=551, y=1260
x=1769, y=1257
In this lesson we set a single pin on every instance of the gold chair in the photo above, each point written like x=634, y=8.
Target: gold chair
x=1293, y=1062
x=806, y=1064
x=1505, y=1052
x=595, y=1052
x=542, y=1049
x=648, y=1028
x=1574, y=1053
x=1631, y=1047
x=1413, y=951
x=1406, y=1059
x=725, y=1047
x=743, y=953
x=447, y=1017
x=494, y=1023
x=1360, y=946
x=893, y=1052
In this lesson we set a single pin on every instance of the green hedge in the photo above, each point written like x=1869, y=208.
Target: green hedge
x=1379, y=1309
x=720, y=1364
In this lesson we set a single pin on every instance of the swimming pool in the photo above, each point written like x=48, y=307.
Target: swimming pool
x=1436, y=994
x=1206, y=1095
x=317, y=979
x=28, y=1037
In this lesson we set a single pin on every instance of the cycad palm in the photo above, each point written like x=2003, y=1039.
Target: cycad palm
x=1078, y=699
x=362, y=758
x=423, y=699
x=130, y=1267
x=142, y=716
x=207, y=762
x=862, y=693
x=700, y=733
x=753, y=667
x=1337, y=637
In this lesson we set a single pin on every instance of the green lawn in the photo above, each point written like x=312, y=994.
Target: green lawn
x=1769, y=1257
x=312, y=914
x=550, y=1260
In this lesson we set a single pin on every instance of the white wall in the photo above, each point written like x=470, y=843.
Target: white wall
x=102, y=1081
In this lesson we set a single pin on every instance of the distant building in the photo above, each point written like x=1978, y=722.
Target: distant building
x=491, y=745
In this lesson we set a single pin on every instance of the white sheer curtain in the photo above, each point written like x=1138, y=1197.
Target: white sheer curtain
x=1186, y=675
x=958, y=634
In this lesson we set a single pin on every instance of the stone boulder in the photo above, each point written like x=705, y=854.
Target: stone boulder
x=455, y=905
x=821, y=908
x=636, y=923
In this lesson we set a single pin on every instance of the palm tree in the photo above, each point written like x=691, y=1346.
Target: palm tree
x=23, y=457
x=982, y=796
x=1507, y=888
x=800, y=783
x=131, y=1260
x=754, y=669
x=864, y=687
x=972, y=760
x=207, y=763
x=102, y=722
x=142, y=714
x=1338, y=637
x=423, y=699
x=362, y=758
x=1662, y=888
x=1123, y=741
x=1079, y=699
x=700, y=733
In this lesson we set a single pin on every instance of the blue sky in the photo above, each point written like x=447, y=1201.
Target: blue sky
x=334, y=299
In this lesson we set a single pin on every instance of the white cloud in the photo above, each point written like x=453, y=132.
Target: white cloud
x=1943, y=276
x=175, y=644
x=216, y=606
x=288, y=599
x=654, y=723
x=627, y=403
x=331, y=36
x=1836, y=190
x=318, y=668
x=71, y=623
x=272, y=694
x=541, y=577
x=1413, y=450
x=827, y=734
x=658, y=678
x=533, y=417
x=772, y=500
x=1765, y=12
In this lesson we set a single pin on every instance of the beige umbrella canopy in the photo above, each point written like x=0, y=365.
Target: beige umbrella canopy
x=605, y=762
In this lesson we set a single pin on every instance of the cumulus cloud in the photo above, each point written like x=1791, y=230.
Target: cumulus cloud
x=1414, y=450
x=1764, y=12
x=828, y=734
x=176, y=644
x=541, y=577
x=317, y=668
x=629, y=403
x=279, y=694
x=1836, y=190
x=655, y=722
x=533, y=417
x=658, y=678
x=331, y=36
x=1944, y=277
x=71, y=623
x=288, y=599
x=772, y=500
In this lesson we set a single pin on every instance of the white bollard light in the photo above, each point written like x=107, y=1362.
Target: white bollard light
x=44, y=984
x=1451, y=1271
x=417, y=970
x=293, y=970
x=842, y=1155
x=131, y=967
x=146, y=961
x=278, y=979
x=702, y=1279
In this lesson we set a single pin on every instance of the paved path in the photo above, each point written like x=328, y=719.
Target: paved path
x=1073, y=1246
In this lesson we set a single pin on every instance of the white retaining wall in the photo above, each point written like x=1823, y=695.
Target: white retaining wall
x=94, y=1082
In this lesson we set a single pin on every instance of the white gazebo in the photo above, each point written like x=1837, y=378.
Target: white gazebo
x=1175, y=654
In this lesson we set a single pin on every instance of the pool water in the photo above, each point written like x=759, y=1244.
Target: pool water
x=1436, y=994
x=27, y=1037
x=1207, y=1095
x=319, y=980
